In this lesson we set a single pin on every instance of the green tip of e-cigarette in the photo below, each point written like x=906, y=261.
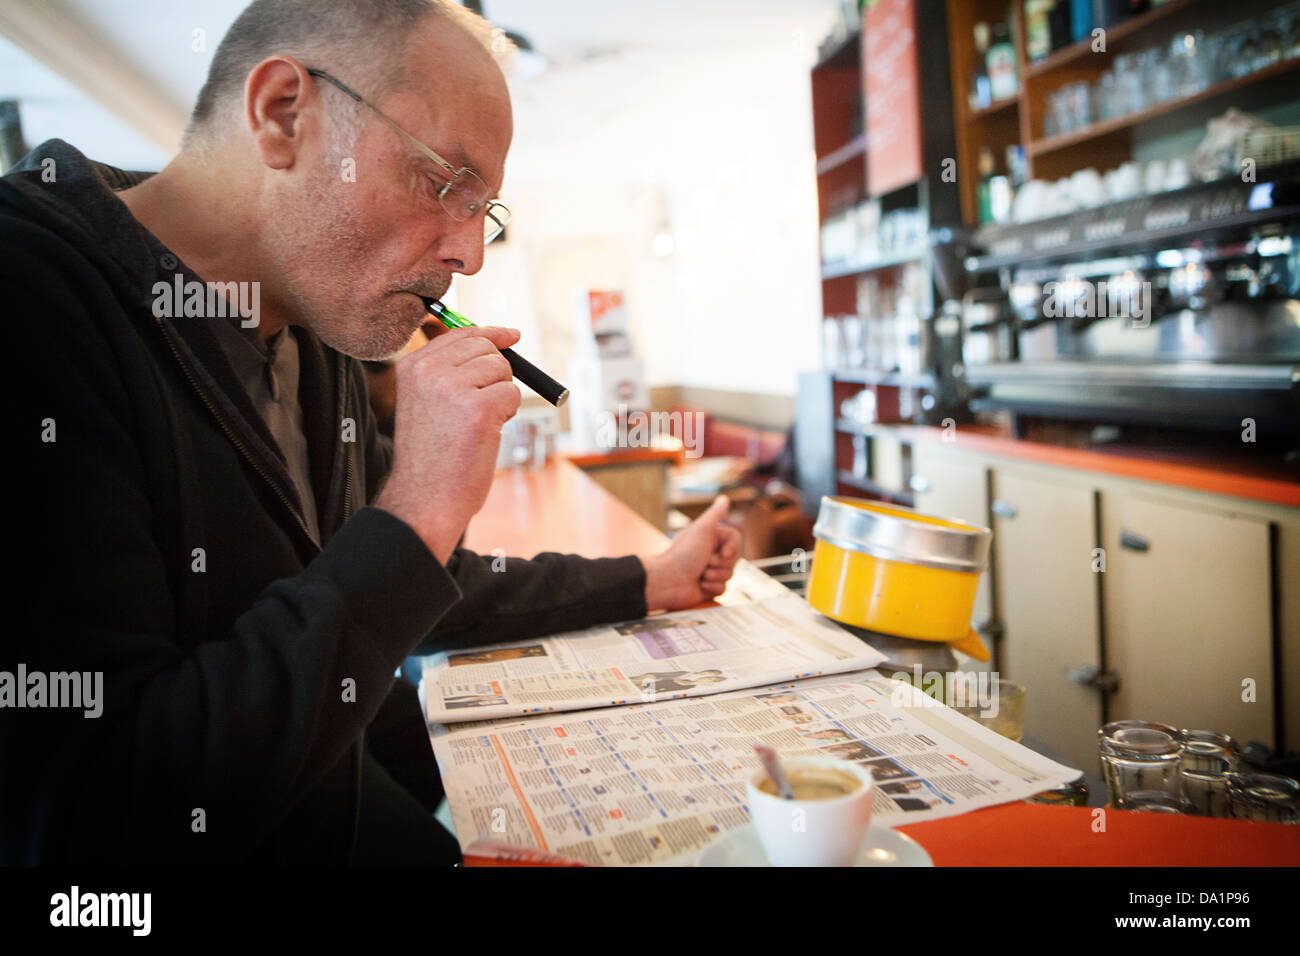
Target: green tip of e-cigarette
x=449, y=317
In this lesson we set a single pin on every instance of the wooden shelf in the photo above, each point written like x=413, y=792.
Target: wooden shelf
x=845, y=53
x=855, y=148
x=997, y=106
x=850, y=427
x=871, y=488
x=861, y=268
x=1038, y=147
x=869, y=376
x=1076, y=51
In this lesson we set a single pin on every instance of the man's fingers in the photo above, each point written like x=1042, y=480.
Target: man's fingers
x=458, y=346
x=726, y=544
x=498, y=335
x=486, y=369
x=506, y=396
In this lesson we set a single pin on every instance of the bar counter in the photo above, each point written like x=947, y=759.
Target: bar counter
x=1242, y=476
x=558, y=508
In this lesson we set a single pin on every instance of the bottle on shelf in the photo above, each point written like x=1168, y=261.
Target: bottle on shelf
x=1038, y=33
x=1001, y=60
x=1017, y=169
x=980, y=92
x=1080, y=20
x=993, y=194
x=1058, y=20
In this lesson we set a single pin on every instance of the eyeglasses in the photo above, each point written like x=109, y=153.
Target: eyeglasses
x=464, y=196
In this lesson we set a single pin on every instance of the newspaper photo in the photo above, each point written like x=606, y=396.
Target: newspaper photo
x=668, y=656
x=653, y=784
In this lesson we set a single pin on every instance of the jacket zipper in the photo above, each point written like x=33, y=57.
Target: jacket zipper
x=347, y=458
x=358, y=749
x=232, y=435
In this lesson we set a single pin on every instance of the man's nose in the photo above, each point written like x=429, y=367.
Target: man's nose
x=462, y=248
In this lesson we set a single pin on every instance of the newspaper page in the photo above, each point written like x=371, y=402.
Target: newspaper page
x=668, y=656
x=750, y=583
x=653, y=784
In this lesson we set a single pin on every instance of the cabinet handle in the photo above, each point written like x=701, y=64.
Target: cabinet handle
x=1130, y=541
x=1089, y=675
x=919, y=483
x=1003, y=509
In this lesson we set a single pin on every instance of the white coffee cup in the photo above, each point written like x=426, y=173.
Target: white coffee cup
x=818, y=832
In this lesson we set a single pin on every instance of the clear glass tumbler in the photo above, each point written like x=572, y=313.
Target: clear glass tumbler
x=1208, y=758
x=1005, y=713
x=1157, y=801
x=1264, y=796
x=1140, y=755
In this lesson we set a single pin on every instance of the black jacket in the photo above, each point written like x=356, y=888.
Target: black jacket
x=227, y=732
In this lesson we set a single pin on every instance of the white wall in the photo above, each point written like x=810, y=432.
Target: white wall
x=720, y=146
x=697, y=113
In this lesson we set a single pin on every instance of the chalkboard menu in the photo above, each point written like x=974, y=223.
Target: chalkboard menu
x=892, y=94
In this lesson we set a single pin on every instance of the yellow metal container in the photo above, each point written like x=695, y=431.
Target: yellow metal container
x=896, y=571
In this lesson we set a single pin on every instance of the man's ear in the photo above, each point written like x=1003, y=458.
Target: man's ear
x=280, y=103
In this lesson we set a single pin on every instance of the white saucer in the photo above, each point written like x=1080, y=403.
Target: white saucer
x=882, y=847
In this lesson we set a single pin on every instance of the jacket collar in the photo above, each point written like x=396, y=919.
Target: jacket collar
x=76, y=197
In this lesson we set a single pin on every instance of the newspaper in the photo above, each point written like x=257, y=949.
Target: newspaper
x=668, y=656
x=655, y=783
x=750, y=583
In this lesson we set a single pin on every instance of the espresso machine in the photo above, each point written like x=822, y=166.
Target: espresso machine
x=1180, y=310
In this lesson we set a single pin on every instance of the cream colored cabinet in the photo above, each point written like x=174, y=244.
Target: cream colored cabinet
x=953, y=485
x=1044, y=539
x=1187, y=615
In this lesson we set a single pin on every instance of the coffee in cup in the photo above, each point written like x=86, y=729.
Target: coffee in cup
x=815, y=783
x=825, y=824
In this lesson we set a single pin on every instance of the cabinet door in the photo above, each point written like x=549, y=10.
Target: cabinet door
x=1187, y=615
x=955, y=486
x=1043, y=536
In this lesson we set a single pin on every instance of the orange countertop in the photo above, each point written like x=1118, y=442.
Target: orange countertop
x=558, y=508
x=1028, y=834
x=1238, y=477
x=627, y=456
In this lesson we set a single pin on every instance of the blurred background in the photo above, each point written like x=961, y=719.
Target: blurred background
x=1031, y=264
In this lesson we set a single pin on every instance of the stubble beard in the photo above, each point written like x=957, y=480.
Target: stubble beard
x=377, y=328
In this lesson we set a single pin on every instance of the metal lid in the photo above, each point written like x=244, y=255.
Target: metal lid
x=901, y=534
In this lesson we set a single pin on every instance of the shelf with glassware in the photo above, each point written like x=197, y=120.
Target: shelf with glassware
x=1170, y=81
x=871, y=457
x=986, y=67
x=877, y=209
x=1091, y=90
x=1147, y=223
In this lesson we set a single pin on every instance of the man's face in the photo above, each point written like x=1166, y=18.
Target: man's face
x=357, y=250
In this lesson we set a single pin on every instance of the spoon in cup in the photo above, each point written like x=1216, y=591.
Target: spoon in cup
x=772, y=764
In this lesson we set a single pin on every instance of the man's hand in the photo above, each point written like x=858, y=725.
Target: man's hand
x=453, y=396
x=697, y=565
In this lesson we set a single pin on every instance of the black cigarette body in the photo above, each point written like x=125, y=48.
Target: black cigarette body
x=536, y=379
x=524, y=370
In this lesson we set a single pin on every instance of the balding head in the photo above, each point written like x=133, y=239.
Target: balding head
x=289, y=181
x=365, y=40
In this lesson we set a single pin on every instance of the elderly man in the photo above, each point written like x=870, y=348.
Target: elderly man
x=213, y=522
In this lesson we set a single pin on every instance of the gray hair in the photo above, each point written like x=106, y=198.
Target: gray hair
x=362, y=41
